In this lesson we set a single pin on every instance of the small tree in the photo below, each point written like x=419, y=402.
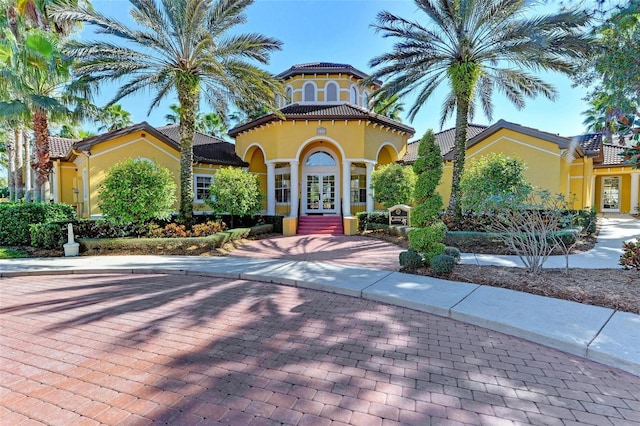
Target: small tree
x=490, y=176
x=137, y=191
x=530, y=225
x=393, y=184
x=236, y=192
x=428, y=169
x=427, y=238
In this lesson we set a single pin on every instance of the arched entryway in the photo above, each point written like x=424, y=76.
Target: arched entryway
x=320, y=183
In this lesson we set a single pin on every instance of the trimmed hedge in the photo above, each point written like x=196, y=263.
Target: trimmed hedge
x=472, y=238
x=395, y=230
x=159, y=244
x=366, y=219
x=15, y=219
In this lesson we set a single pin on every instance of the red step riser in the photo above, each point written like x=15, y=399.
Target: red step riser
x=324, y=225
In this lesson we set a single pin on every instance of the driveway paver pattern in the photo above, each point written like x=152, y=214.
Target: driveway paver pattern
x=165, y=349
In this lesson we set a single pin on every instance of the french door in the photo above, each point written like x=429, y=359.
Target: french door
x=320, y=194
x=611, y=194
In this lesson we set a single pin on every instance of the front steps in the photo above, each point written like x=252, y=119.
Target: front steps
x=328, y=225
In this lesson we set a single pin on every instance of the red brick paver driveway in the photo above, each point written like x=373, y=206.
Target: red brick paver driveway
x=141, y=349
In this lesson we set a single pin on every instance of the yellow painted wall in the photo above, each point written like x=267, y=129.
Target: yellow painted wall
x=344, y=82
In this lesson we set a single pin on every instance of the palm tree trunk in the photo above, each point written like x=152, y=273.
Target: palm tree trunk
x=11, y=167
x=27, y=172
x=459, y=152
x=43, y=161
x=19, y=150
x=188, y=93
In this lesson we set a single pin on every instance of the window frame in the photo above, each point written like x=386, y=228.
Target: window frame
x=196, y=198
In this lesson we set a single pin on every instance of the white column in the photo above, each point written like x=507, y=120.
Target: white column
x=271, y=188
x=295, y=197
x=370, y=205
x=635, y=189
x=346, y=188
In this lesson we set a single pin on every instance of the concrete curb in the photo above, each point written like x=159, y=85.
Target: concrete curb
x=595, y=333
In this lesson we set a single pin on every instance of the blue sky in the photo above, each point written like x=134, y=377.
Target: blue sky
x=339, y=31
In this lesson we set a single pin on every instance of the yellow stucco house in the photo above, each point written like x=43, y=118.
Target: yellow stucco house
x=315, y=158
x=582, y=168
x=79, y=166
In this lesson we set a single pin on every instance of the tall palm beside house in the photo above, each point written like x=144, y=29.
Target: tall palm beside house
x=186, y=47
x=38, y=89
x=476, y=47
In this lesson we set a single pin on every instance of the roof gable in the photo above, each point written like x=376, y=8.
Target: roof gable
x=206, y=148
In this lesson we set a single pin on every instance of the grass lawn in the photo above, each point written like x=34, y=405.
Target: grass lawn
x=11, y=253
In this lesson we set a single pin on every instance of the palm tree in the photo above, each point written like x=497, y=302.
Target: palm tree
x=114, y=117
x=184, y=47
x=476, y=47
x=390, y=107
x=38, y=88
x=211, y=124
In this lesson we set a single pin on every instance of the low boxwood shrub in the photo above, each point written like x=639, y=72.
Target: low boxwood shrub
x=47, y=235
x=410, y=260
x=366, y=219
x=442, y=264
x=453, y=252
x=15, y=219
x=161, y=244
x=261, y=229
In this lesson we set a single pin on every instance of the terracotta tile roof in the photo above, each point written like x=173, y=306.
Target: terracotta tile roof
x=324, y=68
x=320, y=65
x=590, y=143
x=445, y=140
x=611, y=155
x=206, y=148
x=60, y=147
x=344, y=111
x=562, y=142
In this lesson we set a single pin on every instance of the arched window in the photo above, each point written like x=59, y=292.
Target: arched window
x=309, y=92
x=354, y=95
x=365, y=99
x=289, y=96
x=331, y=92
x=320, y=158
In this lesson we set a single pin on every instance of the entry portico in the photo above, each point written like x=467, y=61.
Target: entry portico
x=317, y=156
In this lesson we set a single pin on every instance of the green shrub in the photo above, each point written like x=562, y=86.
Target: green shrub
x=393, y=184
x=492, y=175
x=365, y=219
x=261, y=229
x=428, y=240
x=236, y=192
x=453, y=252
x=47, y=235
x=410, y=260
x=630, y=255
x=428, y=169
x=442, y=264
x=15, y=219
x=137, y=191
